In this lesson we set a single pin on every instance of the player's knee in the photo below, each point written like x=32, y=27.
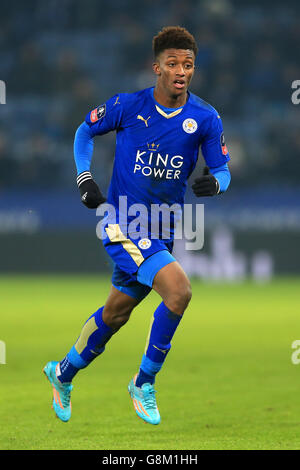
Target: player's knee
x=186, y=294
x=179, y=298
x=116, y=317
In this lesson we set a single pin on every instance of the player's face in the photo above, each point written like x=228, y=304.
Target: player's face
x=174, y=69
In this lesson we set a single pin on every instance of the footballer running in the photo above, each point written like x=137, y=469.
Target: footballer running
x=170, y=120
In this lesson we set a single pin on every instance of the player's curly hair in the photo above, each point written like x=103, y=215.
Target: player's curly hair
x=173, y=37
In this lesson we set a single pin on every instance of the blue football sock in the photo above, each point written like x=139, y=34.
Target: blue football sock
x=162, y=330
x=66, y=371
x=89, y=345
x=144, y=378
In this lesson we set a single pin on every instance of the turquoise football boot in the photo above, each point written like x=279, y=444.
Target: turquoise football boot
x=61, y=392
x=144, y=401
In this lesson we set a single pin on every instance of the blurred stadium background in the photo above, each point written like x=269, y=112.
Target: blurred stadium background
x=58, y=60
x=61, y=58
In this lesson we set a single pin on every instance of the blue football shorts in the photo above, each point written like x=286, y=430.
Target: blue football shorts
x=136, y=262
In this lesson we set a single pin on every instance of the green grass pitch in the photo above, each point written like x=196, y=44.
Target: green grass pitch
x=228, y=381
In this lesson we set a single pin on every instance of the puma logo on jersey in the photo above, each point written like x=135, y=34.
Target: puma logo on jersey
x=143, y=119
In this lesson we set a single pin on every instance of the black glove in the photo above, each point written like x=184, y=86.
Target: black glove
x=90, y=193
x=206, y=185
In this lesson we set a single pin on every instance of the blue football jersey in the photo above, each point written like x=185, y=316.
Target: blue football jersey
x=156, y=151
